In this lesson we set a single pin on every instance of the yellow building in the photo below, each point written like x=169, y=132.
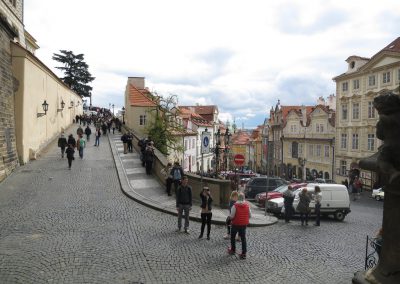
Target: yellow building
x=356, y=120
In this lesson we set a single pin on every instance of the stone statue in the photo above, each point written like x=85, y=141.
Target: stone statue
x=388, y=161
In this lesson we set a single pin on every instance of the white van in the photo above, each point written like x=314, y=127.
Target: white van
x=335, y=201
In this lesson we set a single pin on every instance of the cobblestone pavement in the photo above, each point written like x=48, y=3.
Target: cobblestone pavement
x=61, y=226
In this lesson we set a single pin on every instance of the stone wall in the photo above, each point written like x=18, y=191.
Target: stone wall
x=8, y=150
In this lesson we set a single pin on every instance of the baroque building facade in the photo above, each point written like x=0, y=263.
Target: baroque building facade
x=356, y=120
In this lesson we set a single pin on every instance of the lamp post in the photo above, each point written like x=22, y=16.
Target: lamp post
x=227, y=141
x=217, y=147
x=113, y=108
x=123, y=115
x=45, y=107
x=62, y=106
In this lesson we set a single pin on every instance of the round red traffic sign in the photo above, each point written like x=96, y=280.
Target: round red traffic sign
x=238, y=159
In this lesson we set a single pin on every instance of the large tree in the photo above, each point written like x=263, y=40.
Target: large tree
x=77, y=75
x=164, y=130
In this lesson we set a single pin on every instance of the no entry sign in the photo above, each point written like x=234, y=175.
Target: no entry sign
x=238, y=159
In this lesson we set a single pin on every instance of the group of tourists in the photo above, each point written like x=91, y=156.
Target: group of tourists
x=237, y=220
x=304, y=204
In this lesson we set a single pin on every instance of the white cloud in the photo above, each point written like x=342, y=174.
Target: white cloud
x=240, y=56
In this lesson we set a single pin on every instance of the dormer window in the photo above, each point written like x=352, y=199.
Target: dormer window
x=352, y=64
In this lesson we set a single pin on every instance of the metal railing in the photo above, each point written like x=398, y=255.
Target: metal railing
x=372, y=252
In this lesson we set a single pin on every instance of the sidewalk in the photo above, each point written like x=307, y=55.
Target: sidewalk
x=149, y=191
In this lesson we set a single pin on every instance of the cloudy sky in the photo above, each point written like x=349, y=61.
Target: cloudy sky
x=239, y=55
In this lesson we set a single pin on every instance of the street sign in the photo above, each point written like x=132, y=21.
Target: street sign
x=205, y=142
x=238, y=159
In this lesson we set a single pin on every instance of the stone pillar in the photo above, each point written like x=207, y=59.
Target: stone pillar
x=388, y=129
x=8, y=149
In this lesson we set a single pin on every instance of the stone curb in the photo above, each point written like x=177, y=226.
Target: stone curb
x=123, y=180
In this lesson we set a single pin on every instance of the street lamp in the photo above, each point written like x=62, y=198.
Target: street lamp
x=227, y=140
x=217, y=147
x=113, y=108
x=71, y=105
x=45, y=107
x=62, y=106
x=123, y=115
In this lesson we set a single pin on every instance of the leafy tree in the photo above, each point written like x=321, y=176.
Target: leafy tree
x=77, y=75
x=164, y=130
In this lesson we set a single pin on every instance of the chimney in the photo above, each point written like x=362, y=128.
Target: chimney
x=138, y=82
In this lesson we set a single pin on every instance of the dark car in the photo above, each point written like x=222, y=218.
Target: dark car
x=257, y=185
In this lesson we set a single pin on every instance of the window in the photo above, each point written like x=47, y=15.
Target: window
x=345, y=86
x=295, y=150
x=318, y=151
x=311, y=150
x=356, y=111
x=356, y=84
x=344, y=112
x=290, y=150
x=343, y=141
x=142, y=120
x=321, y=128
x=186, y=145
x=371, y=142
x=327, y=151
x=354, y=143
x=293, y=128
x=300, y=149
x=317, y=127
x=13, y=2
x=371, y=80
x=386, y=77
x=343, y=168
x=371, y=110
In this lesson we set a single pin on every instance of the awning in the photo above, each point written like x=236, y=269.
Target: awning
x=370, y=163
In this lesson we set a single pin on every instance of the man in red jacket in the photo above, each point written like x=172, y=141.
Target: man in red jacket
x=240, y=215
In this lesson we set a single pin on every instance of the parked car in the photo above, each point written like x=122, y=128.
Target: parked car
x=278, y=192
x=378, y=194
x=335, y=201
x=262, y=184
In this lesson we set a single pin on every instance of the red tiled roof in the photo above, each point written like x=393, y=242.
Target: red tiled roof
x=394, y=46
x=140, y=97
x=207, y=112
x=240, y=138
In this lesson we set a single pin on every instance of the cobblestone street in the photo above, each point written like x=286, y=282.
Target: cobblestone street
x=61, y=226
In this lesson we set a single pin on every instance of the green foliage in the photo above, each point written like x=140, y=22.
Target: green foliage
x=77, y=75
x=164, y=130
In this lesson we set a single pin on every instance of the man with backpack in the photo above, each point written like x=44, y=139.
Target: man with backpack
x=177, y=174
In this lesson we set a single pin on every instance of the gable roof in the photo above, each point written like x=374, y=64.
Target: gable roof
x=140, y=97
x=206, y=112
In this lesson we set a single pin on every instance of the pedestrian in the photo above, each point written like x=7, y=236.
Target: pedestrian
x=97, y=135
x=206, y=214
x=177, y=174
x=288, y=198
x=88, y=131
x=81, y=144
x=184, y=203
x=304, y=206
x=240, y=217
x=71, y=140
x=346, y=183
x=124, y=139
x=142, y=143
x=113, y=126
x=149, y=157
x=129, y=142
x=356, y=188
x=79, y=131
x=62, y=143
x=317, y=199
x=232, y=201
x=166, y=172
x=70, y=155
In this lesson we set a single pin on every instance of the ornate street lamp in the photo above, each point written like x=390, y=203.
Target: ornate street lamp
x=123, y=115
x=45, y=107
x=113, y=108
x=71, y=105
x=62, y=106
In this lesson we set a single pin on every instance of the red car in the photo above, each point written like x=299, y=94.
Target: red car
x=278, y=192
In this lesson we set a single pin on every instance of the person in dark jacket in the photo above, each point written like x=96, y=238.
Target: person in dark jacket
x=240, y=217
x=129, y=142
x=88, y=131
x=62, y=143
x=70, y=155
x=304, y=206
x=184, y=203
x=149, y=157
x=71, y=140
x=124, y=139
x=288, y=198
x=206, y=214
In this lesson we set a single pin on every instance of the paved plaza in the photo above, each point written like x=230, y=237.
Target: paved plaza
x=77, y=226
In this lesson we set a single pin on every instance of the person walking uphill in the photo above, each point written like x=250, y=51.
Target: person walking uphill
x=97, y=134
x=184, y=203
x=177, y=174
x=81, y=144
x=240, y=217
x=70, y=155
x=288, y=198
x=304, y=206
x=88, y=131
x=206, y=214
x=62, y=143
x=71, y=140
x=124, y=139
x=149, y=157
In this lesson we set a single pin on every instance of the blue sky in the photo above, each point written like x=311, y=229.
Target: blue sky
x=241, y=56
